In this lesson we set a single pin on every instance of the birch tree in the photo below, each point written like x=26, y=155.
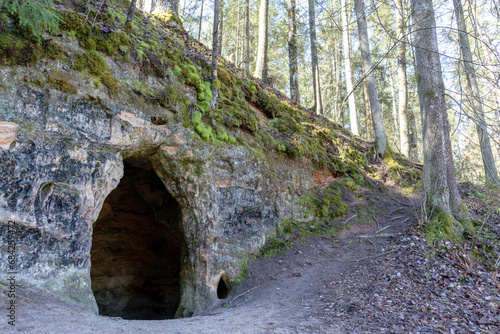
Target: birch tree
x=346, y=46
x=402, y=87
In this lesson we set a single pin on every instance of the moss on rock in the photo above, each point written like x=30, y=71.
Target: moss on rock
x=92, y=62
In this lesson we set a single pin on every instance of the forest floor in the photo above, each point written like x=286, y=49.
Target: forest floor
x=379, y=276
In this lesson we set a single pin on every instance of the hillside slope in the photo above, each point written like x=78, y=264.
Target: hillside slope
x=111, y=152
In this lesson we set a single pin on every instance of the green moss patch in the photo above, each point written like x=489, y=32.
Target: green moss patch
x=61, y=81
x=92, y=62
x=443, y=226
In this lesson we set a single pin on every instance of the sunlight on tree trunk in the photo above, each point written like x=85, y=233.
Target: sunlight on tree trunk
x=378, y=123
x=404, y=140
x=490, y=170
x=130, y=14
x=442, y=196
x=318, y=106
x=159, y=5
x=292, y=52
x=348, y=71
x=247, y=39
x=368, y=111
x=261, y=67
x=215, y=49
x=221, y=28
x=201, y=20
x=237, y=52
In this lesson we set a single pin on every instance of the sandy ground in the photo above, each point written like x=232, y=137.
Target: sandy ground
x=374, y=278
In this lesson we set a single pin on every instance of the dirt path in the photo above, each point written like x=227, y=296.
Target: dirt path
x=371, y=279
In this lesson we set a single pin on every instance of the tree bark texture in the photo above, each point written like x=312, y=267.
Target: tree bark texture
x=261, y=67
x=318, y=106
x=348, y=71
x=221, y=28
x=201, y=20
x=247, y=38
x=215, y=54
x=395, y=116
x=490, y=170
x=131, y=10
x=439, y=175
x=368, y=111
x=237, y=52
x=402, y=87
x=292, y=51
x=378, y=123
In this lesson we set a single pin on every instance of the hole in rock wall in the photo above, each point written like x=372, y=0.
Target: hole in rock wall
x=136, y=248
x=222, y=289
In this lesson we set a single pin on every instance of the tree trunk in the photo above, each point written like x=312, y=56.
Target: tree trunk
x=221, y=29
x=439, y=175
x=261, y=67
x=215, y=49
x=348, y=71
x=201, y=20
x=394, y=105
x=159, y=6
x=490, y=170
x=292, y=52
x=378, y=123
x=368, y=110
x=402, y=88
x=247, y=39
x=130, y=14
x=340, y=103
x=413, y=135
x=318, y=106
x=237, y=52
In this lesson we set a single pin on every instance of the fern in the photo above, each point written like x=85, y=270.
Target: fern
x=36, y=15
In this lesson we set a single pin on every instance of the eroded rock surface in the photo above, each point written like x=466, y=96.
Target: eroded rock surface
x=186, y=214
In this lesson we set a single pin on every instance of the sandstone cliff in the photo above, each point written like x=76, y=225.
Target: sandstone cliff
x=126, y=189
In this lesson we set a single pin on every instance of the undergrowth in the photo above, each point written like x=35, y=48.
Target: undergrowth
x=324, y=210
x=481, y=245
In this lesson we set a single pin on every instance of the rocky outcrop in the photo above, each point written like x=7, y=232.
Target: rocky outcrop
x=110, y=206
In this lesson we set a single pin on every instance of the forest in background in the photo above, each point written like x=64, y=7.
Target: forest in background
x=385, y=39
x=371, y=78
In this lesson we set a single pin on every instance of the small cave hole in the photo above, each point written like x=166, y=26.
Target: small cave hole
x=136, y=248
x=222, y=290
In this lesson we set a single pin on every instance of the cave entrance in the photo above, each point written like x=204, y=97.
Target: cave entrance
x=136, y=248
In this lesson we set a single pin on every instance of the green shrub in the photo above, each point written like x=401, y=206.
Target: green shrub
x=35, y=15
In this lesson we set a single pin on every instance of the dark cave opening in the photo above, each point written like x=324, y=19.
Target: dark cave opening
x=136, y=248
x=222, y=289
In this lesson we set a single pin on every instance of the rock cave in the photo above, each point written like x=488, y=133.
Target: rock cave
x=136, y=248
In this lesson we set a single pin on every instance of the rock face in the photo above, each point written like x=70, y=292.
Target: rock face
x=147, y=220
